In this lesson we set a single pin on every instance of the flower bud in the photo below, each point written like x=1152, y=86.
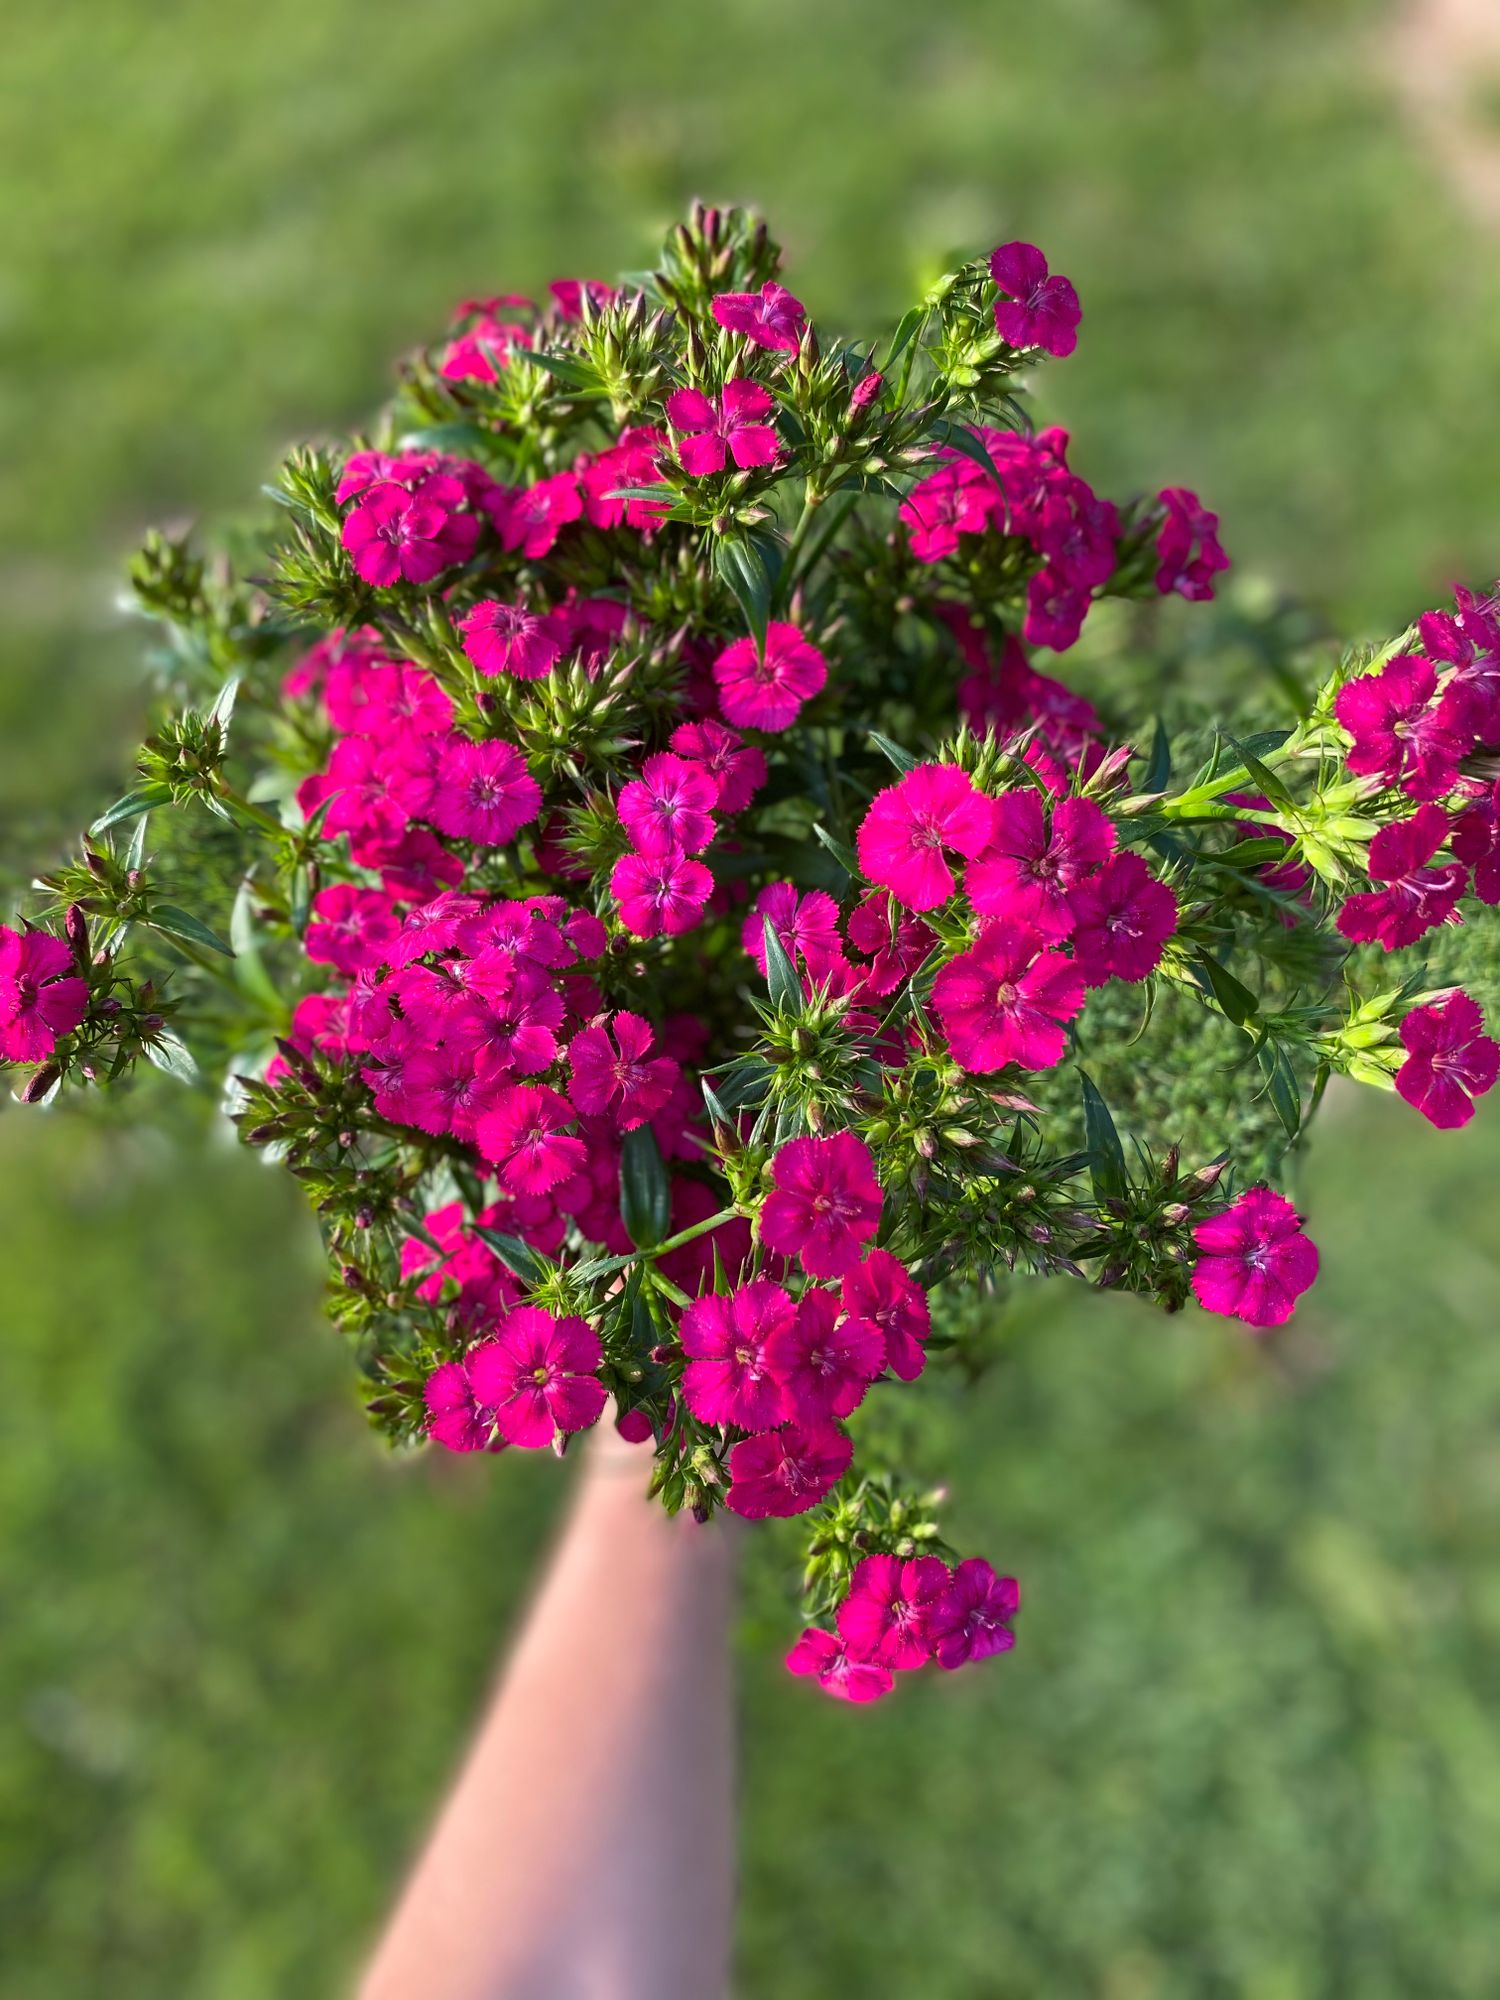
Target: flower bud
x=76, y=930
x=38, y=1085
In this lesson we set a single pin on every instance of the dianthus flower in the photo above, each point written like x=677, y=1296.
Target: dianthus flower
x=619, y=1076
x=454, y=1418
x=669, y=808
x=770, y=317
x=539, y=1376
x=448, y=1087
x=1035, y=309
x=660, y=893
x=482, y=792
x=1005, y=999
x=41, y=996
x=766, y=689
x=883, y=1295
x=808, y=926
x=1467, y=641
x=1188, y=555
x=783, y=1472
x=972, y=1618
x=374, y=788
x=1404, y=732
x=1123, y=917
x=714, y=430
x=1415, y=898
x=1254, y=1262
x=482, y=349
x=634, y=460
x=570, y=294
x=1476, y=842
x=1076, y=531
x=895, y=943
x=507, y=638
x=824, y=1203
x=1056, y=607
x=351, y=928
x=944, y=506
x=728, y=1378
x=524, y=1137
x=738, y=768
x=1450, y=1060
x=395, y=534
x=888, y=1614
x=902, y=836
x=824, y=1363
x=516, y=1031
x=825, y=1656
x=1030, y=867
x=531, y=519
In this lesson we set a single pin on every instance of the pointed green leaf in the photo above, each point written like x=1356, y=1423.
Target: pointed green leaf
x=902, y=759
x=1235, y=1001
x=781, y=974
x=171, y=1055
x=645, y=1193
x=183, y=924
x=527, y=1264
x=133, y=804
x=1159, y=769
x=742, y=568
x=1106, y=1154
x=845, y=856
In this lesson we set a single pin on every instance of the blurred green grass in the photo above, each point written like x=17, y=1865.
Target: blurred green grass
x=1246, y=1746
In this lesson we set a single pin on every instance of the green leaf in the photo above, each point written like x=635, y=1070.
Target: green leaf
x=1235, y=1001
x=741, y=563
x=183, y=924
x=171, y=1055
x=781, y=974
x=716, y=1110
x=847, y=859
x=222, y=711
x=527, y=1264
x=133, y=804
x=135, y=853
x=1253, y=853
x=1281, y=1084
x=645, y=1193
x=908, y=327
x=1105, y=1153
x=959, y=438
x=899, y=757
x=1273, y=787
x=250, y=968
x=565, y=368
x=1159, y=769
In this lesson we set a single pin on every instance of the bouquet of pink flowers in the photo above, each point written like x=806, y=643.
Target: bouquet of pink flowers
x=619, y=850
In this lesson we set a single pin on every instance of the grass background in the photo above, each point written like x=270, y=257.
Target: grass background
x=1247, y=1746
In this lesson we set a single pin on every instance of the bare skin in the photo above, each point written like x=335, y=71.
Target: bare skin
x=586, y=1851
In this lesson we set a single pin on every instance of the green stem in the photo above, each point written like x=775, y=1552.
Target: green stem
x=690, y=1235
x=254, y=814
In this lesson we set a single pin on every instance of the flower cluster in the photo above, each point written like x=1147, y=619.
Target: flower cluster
x=676, y=933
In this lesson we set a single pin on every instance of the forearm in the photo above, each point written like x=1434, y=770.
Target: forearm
x=587, y=1848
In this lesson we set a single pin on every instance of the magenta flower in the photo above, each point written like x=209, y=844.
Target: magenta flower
x=1188, y=554
x=668, y=809
x=1468, y=642
x=902, y=837
x=1254, y=1262
x=395, y=534
x=972, y=1618
x=1029, y=868
x=1450, y=1060
x=895, y=944
x=352, y=929
x=482, y=350
x=41, y=996
x=826, y=1658
x=889, y=1611
x=1056, y=607
x=448, y=1087
x=779, y=1473
x=539, y=1375
x=1123, y=917
x=716, y=430
x=883, y=1295
x=944, y=506
x=532, y=518
x=660, y=893
x=524, y=1137
x=1402, y=734
x=738, y=768
x=1034, y=309
x=728, y=1378
x=1415, y=898
x=823, y=1363
x=507, y=638
x=770, y=317
x=635, y=460
x=454, y=1418
x=766, y=690
x=1076, y=531
x=1476, y=842
x=516, y=1029
x=620, y=1077
x=824, y=1203
x=1005, y=999
x=570, y=294
x=482, y=792
x=808, y=926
